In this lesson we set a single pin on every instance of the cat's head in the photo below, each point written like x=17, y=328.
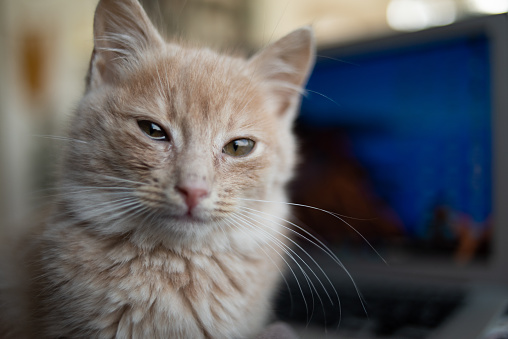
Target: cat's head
x=171, y=140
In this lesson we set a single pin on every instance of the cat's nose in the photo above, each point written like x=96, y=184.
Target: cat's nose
x=192, y=195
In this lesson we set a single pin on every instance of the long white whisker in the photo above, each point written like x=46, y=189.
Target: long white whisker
x=319, y=243
x=335, y=59
x=288, y=250
x=60, y=138
x=304, y=262
x=299, y=247
x=324, y=96
x=121, y=179
x=141, y=209
x=278, y=22
x=114, y=204
x=335, y=215
x=78, y=192
x=321, y=246
x=231, y=224
x=77, y=188
x=240, y=224
x=131, y=206
x=148, y=215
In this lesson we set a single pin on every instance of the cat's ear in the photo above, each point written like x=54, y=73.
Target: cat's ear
x=284, y=67
x=122, y=31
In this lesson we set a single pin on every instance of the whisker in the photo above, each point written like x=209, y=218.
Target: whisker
x=305, y=263
x=278, y=22
x=78, y=192
x=321, y=246
x=303, y=250
x=335, y=59
x=289, y=267
x=115, y=204
x=61, y=188
x=150, y=190
x=60, y=138
x=231, y=224
x=151, y=213
x=110, y=203
x=142, y=209
x=131, y=206
x=180, y=13
x=335, y=215
x=288, y=250
x=324, y=96
x=121, y=179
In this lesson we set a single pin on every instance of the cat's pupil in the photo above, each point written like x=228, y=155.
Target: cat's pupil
x=153, y=130
x=239, y=143
x=239, y=147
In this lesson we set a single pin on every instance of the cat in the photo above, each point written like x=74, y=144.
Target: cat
x=161, y=226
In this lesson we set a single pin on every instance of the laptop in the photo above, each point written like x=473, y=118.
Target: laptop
x=406, y=139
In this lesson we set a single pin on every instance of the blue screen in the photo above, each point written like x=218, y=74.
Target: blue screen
x=417, y=122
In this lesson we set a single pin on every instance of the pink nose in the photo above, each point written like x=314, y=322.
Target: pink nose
x=192, y=195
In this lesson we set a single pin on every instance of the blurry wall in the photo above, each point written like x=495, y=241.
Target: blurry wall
x=333, y=21
x=221, y=24
x=45, y=45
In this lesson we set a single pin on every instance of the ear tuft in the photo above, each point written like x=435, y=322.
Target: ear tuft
x=122, y=31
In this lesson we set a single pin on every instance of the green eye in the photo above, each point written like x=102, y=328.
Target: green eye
x=239, y=147
x=153, y=130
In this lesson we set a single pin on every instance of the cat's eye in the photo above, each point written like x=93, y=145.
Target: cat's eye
x=153, y=130
x=239, y=147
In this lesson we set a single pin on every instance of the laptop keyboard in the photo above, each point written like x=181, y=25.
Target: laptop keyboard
x=391, y=311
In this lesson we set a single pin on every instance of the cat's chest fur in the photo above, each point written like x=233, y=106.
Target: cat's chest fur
x=114, y=289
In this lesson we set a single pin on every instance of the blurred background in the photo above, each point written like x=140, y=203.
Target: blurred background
x=46, y=45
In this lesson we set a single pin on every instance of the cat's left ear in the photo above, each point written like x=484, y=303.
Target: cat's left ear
x=122, y=32
x=284, y=67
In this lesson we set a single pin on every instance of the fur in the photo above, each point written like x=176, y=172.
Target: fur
x=121, y=254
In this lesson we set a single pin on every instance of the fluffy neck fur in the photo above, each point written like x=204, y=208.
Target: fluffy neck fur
x=125, y=253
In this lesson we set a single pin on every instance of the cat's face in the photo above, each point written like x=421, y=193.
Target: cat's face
x=174, y=138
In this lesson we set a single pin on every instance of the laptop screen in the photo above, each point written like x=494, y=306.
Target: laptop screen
x=398, y=140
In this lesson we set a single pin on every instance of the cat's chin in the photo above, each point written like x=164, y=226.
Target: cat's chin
x=186, y=221
x=190, y=219
x=185, y=231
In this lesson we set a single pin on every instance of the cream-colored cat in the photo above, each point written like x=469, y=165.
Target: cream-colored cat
x=173, y=147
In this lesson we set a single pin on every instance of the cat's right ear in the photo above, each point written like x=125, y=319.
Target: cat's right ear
x=284, y=67
x=122, y=31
